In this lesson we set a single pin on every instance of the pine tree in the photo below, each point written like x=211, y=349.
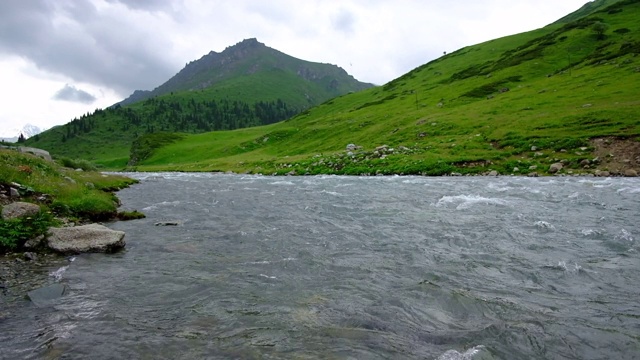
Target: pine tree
x=21, y=138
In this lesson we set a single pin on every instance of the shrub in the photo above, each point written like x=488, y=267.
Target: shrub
x=14, y=233
x=77, y=164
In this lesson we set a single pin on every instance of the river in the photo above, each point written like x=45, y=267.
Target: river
x=351, y=268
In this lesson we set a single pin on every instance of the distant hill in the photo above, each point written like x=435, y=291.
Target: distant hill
x=566, y=94
x=251, y=57
x=248, y=84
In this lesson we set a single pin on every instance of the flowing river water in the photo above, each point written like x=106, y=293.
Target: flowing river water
x=334, y=267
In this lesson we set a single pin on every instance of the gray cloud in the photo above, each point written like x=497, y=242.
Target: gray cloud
x=74, y=39
x=73, y=94
x=146, y=5
x=344, y=21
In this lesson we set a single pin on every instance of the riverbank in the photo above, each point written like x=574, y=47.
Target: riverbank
x=601, y=156
x=65, y=196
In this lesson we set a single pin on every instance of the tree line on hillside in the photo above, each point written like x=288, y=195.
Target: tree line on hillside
x=162, y=114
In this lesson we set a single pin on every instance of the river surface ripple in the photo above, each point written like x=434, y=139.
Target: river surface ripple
x=352, y=268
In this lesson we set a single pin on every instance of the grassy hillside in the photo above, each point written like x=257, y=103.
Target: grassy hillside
x=248, y=84
x=521, y=101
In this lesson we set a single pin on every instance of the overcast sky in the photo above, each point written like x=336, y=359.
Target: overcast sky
x=62, y=58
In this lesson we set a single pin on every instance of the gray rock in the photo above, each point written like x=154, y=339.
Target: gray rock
x=35, y=151
x=602, y=173
x=532, y=174
x=34, y=243
x=86, y=238
x=631, y=173
x=533, y=167
x=555, y=167
x=493, y=173
x=167, y=223
x=516, y=169
x=45, y=296
x=19, y=209
x=30, y=256
x=534, y=148
x=585, y=162
x=352, y=147
x=13, y=193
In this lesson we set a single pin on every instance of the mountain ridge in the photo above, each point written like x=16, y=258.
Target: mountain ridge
x=244, y=58
x=247, y=84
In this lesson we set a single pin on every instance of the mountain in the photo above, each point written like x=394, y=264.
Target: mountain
x=248, y=84
x=247, y=58
x=564, y=95
x=27, y=131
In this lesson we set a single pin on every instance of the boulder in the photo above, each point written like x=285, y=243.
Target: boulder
x=631, y=173
x=46, y=295
x=35, y=151
x=555, y=167
x=86, y=238
x=602, y=173
x=19, y=209
x=493, y=173
x=14, y=193
x=532, y=174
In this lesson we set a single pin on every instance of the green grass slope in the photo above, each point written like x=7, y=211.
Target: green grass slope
x=482, y=107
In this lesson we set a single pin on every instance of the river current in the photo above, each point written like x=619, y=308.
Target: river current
x=351, y=268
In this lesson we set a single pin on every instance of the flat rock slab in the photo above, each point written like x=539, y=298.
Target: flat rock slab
x=86, y=238
x=44, y=296
x=19, y=209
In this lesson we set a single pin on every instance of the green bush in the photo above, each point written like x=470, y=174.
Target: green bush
x=77, y=164
x=14, y=233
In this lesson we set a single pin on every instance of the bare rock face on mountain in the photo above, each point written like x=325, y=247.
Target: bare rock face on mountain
x=86, y=238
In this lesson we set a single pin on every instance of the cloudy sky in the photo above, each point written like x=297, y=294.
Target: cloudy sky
x=62, y=58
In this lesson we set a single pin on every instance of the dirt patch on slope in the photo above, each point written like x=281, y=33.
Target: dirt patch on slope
x=617, y=155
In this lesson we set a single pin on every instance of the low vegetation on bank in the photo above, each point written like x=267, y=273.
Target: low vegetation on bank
x=64, y=194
